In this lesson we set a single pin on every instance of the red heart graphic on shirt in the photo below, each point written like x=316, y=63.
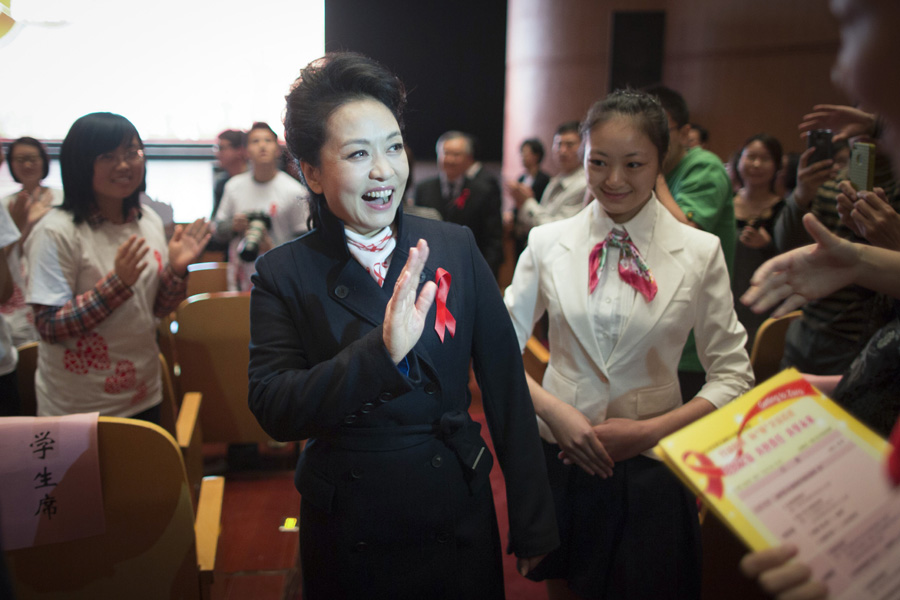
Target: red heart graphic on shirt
x=140, y=395
x=159, y=265
x=91, y=352
x=123, y=379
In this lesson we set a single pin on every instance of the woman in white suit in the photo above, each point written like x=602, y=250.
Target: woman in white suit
x=624, y=283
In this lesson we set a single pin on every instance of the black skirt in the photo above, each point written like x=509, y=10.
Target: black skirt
x=634, y=535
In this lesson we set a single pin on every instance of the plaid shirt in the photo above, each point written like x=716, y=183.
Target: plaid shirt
x=84, y=312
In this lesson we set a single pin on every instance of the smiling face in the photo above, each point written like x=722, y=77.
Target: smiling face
x=26, y=164
x=567, y=151
x=119, y=172
x=454, y=157
x=362, y=168
x=622, y=164
x=756, y=165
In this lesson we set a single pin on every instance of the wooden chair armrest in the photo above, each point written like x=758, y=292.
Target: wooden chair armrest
x=208, y=524
x=537, y=348
x=189, y=436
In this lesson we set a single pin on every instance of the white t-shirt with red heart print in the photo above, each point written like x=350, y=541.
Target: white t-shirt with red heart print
x=114, y=368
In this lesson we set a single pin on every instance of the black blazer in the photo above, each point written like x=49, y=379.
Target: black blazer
x=395, y=469
x=538, y=185
x=480, y=212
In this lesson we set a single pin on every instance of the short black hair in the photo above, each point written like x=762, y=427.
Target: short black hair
x=325, y=85
x=645, y=110
x=89, y=137
x=536, y=146
x=235, y=137
x=672, y=102
x=568, y=127
x=29, y=141
x=263, y=126
x=704, y=134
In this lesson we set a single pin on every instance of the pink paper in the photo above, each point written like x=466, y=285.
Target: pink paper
x=50, y=488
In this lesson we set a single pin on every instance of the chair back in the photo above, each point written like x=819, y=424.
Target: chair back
x=207, y=277
x=25, y=370
x=148, y=549
x=536, y=357
x=212, y=342
x=768, y=346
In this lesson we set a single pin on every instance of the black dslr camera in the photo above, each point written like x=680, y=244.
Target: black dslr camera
x=259, y=223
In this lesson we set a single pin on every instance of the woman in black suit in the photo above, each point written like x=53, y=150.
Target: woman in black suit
x=345, y=351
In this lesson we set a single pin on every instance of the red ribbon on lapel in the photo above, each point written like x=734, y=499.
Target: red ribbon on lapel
x=442, y=318
x=460, y=201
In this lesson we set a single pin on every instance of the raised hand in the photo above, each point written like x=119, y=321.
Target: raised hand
x=870, y=215
x=186, y=244
x=755, y=237
x=404, y=318
x=128, y=265
x=811, y=177
x=844, y=121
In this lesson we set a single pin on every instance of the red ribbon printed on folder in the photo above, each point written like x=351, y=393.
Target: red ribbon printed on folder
x=442, y=318
x=701, y=463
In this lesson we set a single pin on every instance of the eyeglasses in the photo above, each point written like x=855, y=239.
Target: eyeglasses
x=110, y=159
x=31, y=158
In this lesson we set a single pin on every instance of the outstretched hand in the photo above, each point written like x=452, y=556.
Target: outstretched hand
x=796, y=277
x=404, y=318
x=869, y=215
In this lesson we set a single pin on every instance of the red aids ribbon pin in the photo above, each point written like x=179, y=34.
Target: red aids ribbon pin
x=442, y=318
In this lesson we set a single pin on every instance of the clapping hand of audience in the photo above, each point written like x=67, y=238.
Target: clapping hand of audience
x=845, y=121
x=869, y=215
x=755, y=237
x=519, y=192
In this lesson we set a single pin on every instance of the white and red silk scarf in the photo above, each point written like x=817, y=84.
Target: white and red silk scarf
x=373, y=252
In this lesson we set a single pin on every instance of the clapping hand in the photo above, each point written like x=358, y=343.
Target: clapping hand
x=128, y=265
x=186, y=244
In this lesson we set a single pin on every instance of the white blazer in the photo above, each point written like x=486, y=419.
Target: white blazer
x=639, y=379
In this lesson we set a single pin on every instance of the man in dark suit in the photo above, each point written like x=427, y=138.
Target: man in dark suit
x=462, y=200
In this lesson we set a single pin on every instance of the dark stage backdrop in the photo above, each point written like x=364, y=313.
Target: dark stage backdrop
x=450, y=55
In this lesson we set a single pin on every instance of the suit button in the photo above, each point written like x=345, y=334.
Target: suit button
x=385, y=397
x=356, y=473
x=443, y=538
x=367, y=408
x=436, y=461
x=350, y=419
x=341, y=291
x=431, y=387
x=361, y=547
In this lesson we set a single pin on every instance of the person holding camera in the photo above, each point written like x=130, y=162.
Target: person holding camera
x=260, y=209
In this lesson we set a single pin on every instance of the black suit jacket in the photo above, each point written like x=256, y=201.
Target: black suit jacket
x=479, y=211
x=395, y=470
x=538, y=185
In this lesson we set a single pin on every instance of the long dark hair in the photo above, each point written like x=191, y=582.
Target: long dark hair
x=89, y=137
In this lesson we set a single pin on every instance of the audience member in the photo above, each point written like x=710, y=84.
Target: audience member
x=231, y=154
x=564, y=195
x=695, y=188
x=345, y=351
x=697, y=136
x=29, y=165
x=832, y=330
x=9, y=357
x=624, y=283
x=463, y=200
x=270, y=199
x=756, y=206
x=100, y=273
x=535, y=179
x=869, y=47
